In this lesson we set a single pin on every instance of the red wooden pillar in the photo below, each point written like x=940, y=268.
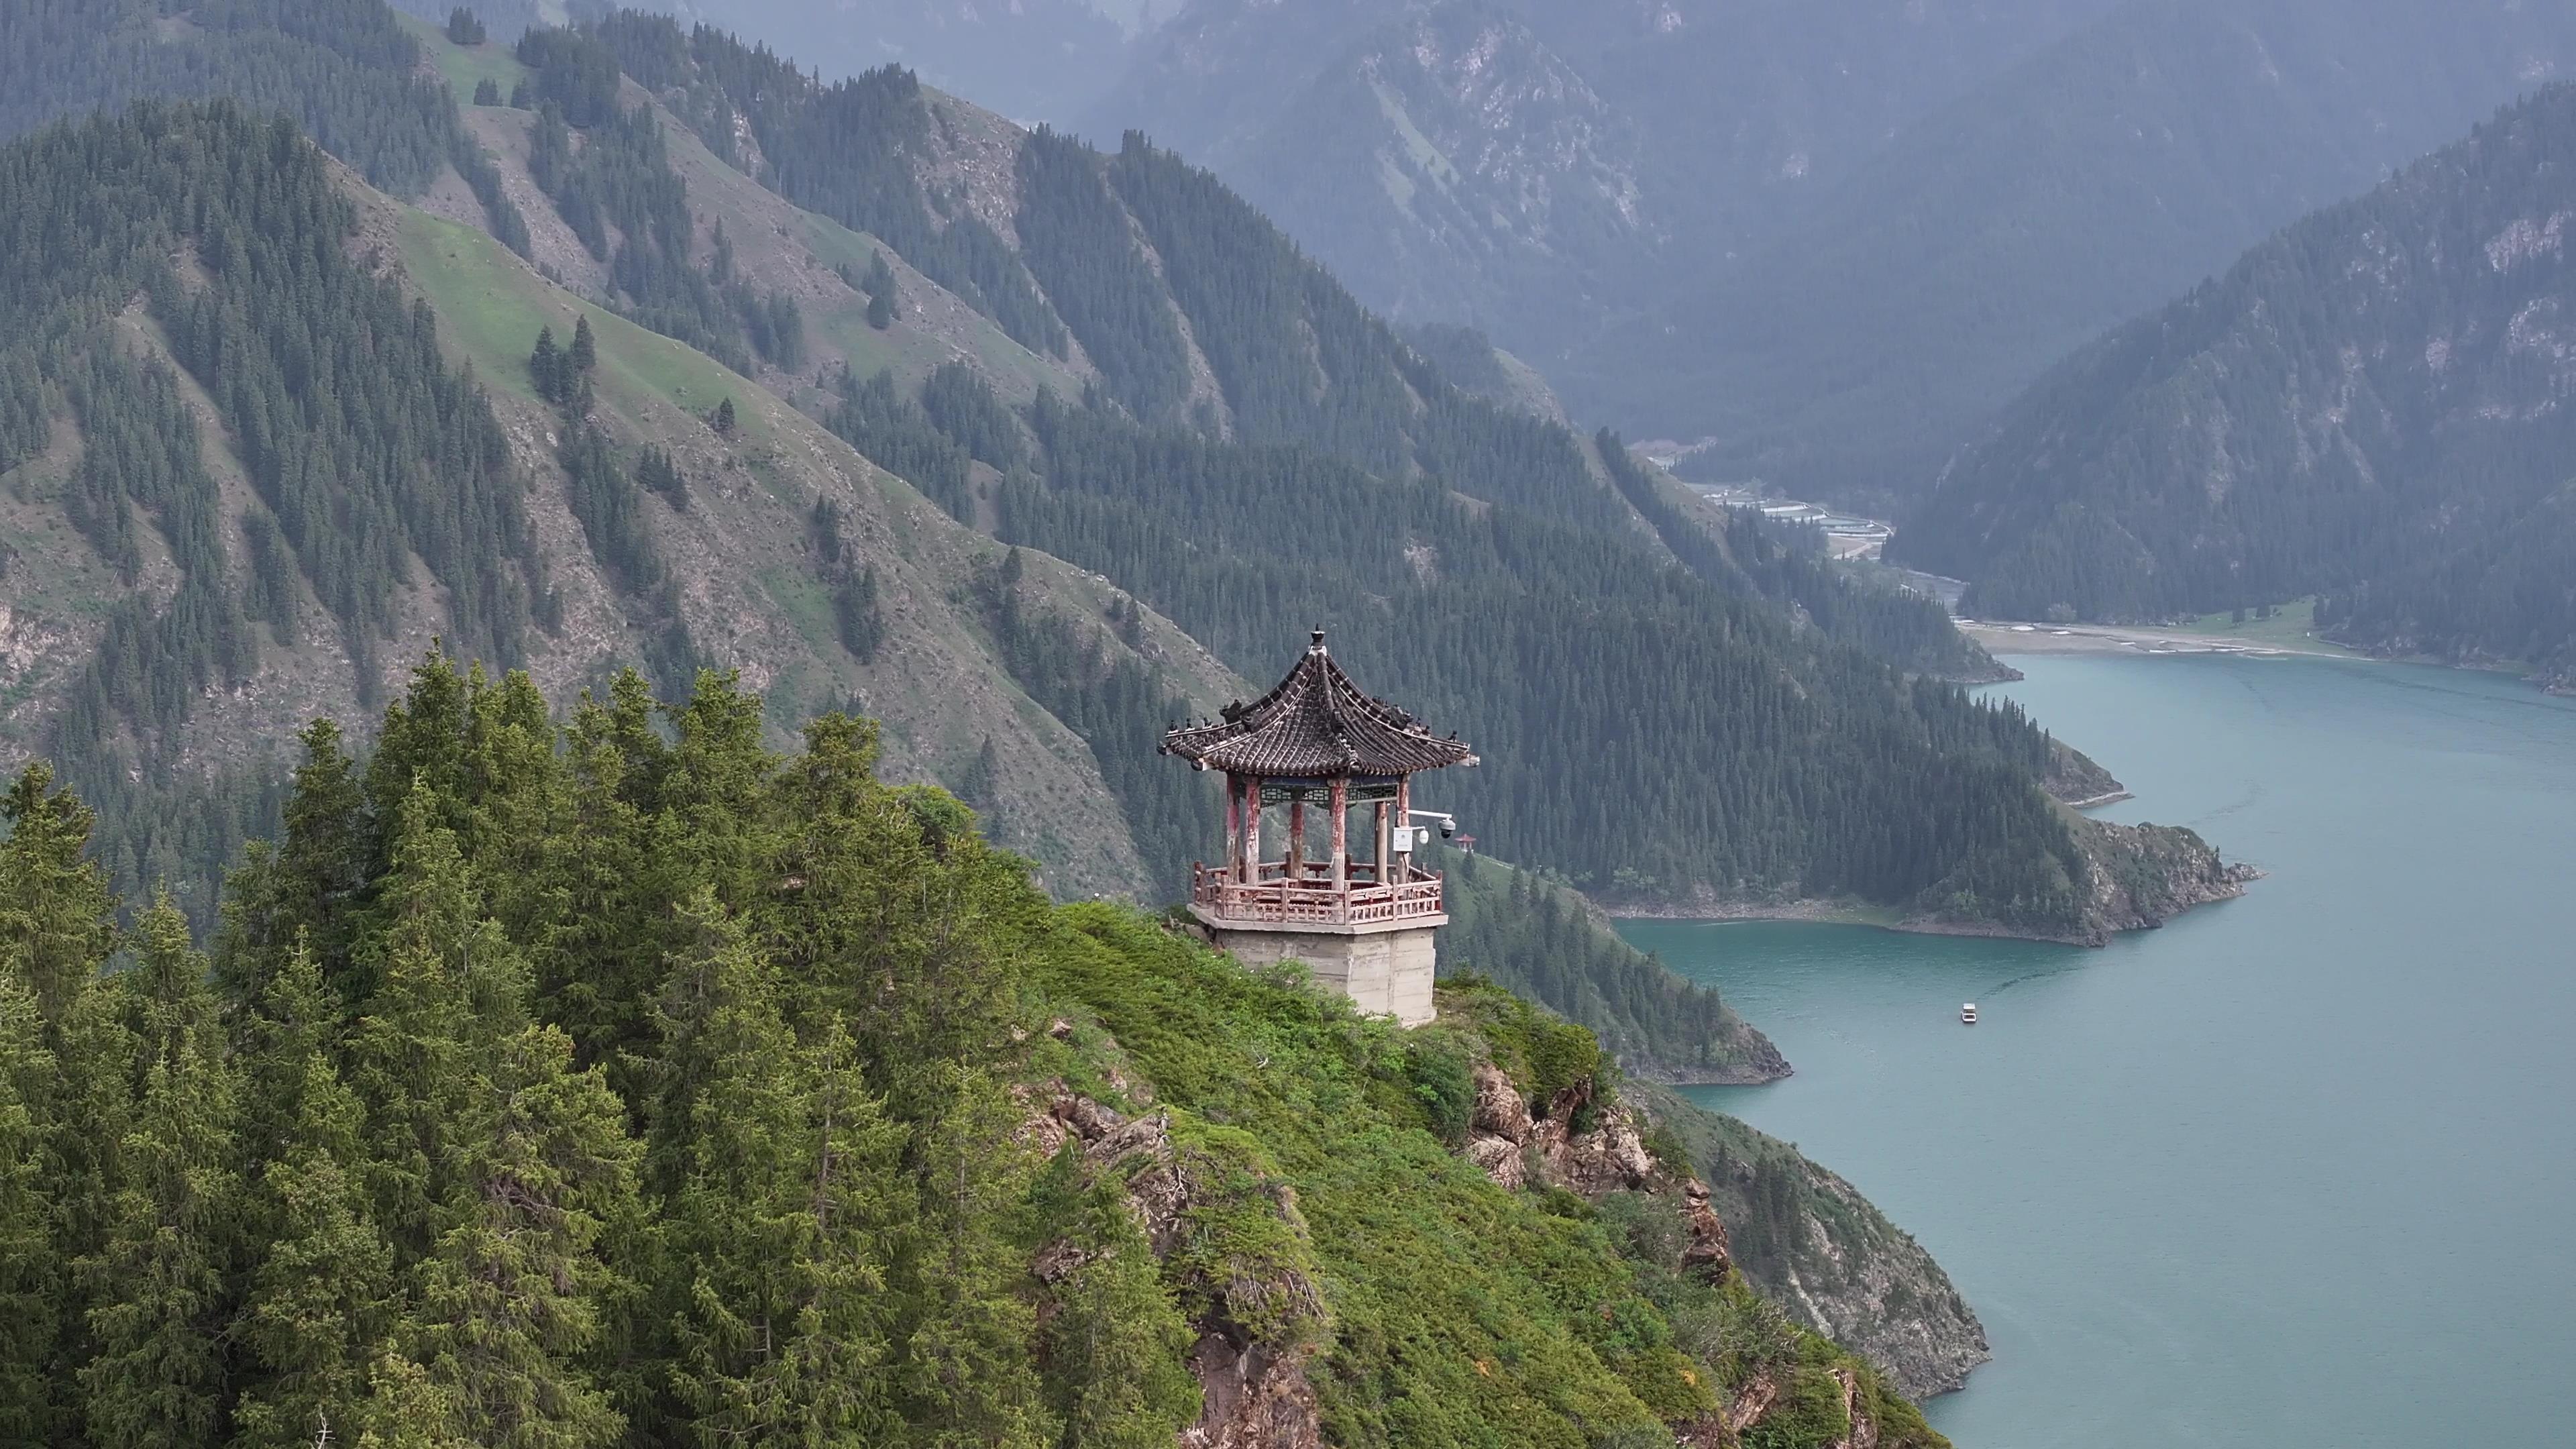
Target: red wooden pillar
x=1297, y=841
x=1252, y=830
x=1341, y=838
x=1234, y=828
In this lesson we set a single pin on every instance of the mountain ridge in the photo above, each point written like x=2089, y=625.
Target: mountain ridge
x=2363, y=409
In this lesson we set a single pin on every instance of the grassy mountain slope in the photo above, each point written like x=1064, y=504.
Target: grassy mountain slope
x=646, y=503
x=781, y=248
x=2365, y=408
x=1237, y=407
x=932, y=680
x=929, y=668
x=1246, y=437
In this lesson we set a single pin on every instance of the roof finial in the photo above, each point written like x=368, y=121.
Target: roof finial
x=1319, y=641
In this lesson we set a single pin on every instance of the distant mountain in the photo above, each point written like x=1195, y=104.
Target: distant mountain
x=1539, y=170
x=1830, y=236
x=2096, y=178
x=2371, y=407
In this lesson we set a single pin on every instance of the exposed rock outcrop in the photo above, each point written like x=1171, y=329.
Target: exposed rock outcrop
x=2145, y=875
x=1811, y=1243
x=1255, y=1341
x=1607, y=1154
x=1580, y=1144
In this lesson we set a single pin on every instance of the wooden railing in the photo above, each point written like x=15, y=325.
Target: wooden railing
x=1311, y=898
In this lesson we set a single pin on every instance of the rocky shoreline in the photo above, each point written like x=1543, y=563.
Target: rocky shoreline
x=1810, y=1242
x=2141, y=877
x=1776, y=1068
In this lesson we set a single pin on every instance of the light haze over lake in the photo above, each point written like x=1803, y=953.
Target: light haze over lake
x=2297, y=1170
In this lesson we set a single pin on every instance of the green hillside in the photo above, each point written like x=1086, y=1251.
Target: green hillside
x=620, y=1081
x=218, y=542
x=1222, y=375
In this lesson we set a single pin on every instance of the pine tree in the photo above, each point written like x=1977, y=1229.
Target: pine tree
x=857, y=615
x=464, y=27
x=966, y=1372
x=655, y=472
x=724, y=419
x=451, y=988
x=158, y=1285
x=1116, y=1343
x=487, y=92
x=585, y=349
x=30, y=1271
x=510, y=1302
x=546, y=367
x=405, y=1409
x=305, y=888
x=320, y=1296
x=881, y=309
x=782, y=1178
x=57, y=915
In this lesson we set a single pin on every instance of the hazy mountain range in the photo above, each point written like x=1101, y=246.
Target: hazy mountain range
x=1829, y=237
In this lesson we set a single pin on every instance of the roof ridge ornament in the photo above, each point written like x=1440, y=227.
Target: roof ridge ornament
x=1318, y=646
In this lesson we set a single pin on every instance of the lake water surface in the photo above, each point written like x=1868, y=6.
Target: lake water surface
x=2297, y=1170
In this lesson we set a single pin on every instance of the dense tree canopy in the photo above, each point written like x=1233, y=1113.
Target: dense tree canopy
x=619, y=1081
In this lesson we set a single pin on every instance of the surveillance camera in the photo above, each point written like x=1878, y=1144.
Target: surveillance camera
x=1448, y=828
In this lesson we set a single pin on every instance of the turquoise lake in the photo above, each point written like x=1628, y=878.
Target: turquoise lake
x=2298, y=1169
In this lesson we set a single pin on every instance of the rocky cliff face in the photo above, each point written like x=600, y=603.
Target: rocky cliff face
x=1808, y=1241
x=1465, y=171
x=1258, y=1335
x=1579, y=1144
x=2135, y=878
x=2145, y=875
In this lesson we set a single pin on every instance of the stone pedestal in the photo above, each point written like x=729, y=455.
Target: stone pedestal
x=1385, y=969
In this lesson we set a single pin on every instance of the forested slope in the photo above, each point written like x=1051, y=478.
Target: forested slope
x=637, y=553
x=619, y=1081
x=1248, y=446
x=263, y=439
x=2365, y=408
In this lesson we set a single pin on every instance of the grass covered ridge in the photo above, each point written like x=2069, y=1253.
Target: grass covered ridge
x=1457, y=1313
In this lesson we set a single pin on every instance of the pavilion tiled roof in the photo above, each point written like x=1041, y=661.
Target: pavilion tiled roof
x=1316, y=725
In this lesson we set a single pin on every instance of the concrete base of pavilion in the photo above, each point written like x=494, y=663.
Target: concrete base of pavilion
x=1384, y=969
